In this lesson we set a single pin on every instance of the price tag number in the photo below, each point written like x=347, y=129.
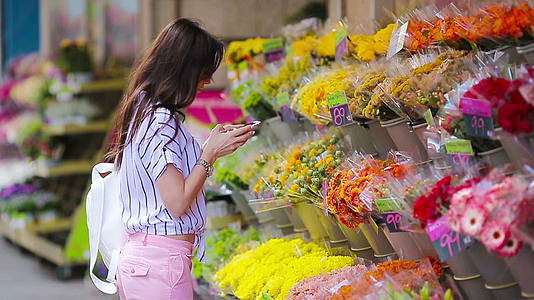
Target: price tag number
x=479, y=126
x=341, y=115
x=393, y=221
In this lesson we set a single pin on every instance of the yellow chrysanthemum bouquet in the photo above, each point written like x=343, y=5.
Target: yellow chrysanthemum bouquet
x=275, y=267
x=311, y=98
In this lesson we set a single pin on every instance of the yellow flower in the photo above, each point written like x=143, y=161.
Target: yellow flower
x=327, y=45
x=65, y=43
x=304, y=46
x=80, y=43
x=275, y=267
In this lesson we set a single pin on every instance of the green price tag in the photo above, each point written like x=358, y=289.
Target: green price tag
x=342, y=44
x=387, y=205
x=428, y=117
x=242, y=66
x=273, y=44
x=336, y=99
x=282, y=98
x=459, y=146
x=341, y=34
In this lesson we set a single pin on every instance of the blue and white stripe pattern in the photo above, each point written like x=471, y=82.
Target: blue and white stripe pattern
x=155, y=146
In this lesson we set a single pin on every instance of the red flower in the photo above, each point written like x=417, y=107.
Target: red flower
x=514, y=116
x=429, y=207
x=491, y=89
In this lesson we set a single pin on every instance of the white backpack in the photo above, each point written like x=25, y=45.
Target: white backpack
x=107, y=233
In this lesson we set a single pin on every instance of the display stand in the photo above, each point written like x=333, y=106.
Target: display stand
x=63, y=241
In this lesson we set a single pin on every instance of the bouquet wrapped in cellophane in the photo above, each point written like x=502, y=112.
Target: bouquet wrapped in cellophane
x=297, y=172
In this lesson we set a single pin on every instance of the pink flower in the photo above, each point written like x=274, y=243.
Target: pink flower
x=454, y=221
x=494, y=235
x=473, y=220
x=461, y=198
x=511, y=247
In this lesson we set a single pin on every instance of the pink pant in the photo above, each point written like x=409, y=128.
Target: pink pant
x=156, y=268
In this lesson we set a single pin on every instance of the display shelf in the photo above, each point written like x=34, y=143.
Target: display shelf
x=65, y=168
x=52, y=225
x=73, y=129
x=40, y=246
x=104, y=85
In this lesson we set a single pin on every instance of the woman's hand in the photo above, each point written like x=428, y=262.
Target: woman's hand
x=224, y=140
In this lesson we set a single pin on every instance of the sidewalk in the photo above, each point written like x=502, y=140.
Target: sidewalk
x=24, y=278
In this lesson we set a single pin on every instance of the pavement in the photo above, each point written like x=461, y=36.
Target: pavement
x=23, y=277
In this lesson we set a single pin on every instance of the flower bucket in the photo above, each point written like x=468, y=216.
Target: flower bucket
x=420, y=130
x=467, y=277
x=298, y=225
x=282, y=131
x=378, y=241
x=306, y=212
x=517, y=148
x=359, y=137
x=522, y=268
x=381, y=139
x=424, y=244
x=241, y=202
x=357, y=242
x=526, y=53
x=335, y=235
x=496, y=274
x=405, y=139
x=403, y=245
x=282, y=220
x=495, y=158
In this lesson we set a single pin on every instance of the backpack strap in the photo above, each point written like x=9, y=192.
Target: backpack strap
x=95, y=209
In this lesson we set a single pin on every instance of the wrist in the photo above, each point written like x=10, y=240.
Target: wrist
x=208, y=155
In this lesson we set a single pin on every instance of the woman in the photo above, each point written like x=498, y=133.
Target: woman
x=161, y=166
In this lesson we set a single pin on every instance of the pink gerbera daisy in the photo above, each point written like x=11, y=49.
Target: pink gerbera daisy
x=494, y=235
x=473, y=219
x=511, y=247
x=454, y=222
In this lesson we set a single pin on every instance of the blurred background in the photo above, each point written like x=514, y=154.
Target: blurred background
x=64, y=66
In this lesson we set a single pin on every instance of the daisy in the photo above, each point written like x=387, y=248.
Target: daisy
x=494, y=235
x=473, y=219
x=511, y=247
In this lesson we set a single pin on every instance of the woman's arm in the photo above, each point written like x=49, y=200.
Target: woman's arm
x=177, y=192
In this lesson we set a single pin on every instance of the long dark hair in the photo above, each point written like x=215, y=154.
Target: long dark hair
x=169, y=73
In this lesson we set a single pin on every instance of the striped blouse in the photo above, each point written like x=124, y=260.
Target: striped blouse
x=144, y=160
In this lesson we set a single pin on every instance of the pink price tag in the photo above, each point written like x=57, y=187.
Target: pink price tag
x=437, y=229
x=476, y=107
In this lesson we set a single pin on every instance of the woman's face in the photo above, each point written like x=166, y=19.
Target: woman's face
x=203, y=82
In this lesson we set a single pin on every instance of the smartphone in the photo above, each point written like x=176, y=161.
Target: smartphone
x=255, y=123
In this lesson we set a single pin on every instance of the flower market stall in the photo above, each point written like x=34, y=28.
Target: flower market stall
x=393, y=165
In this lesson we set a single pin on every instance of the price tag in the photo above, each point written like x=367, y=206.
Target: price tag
x=339, y=109
x=477, y=117
x=397, y=40
x=460, y=154
x=428, y=117
x=447, y=242
x=386, y=205
x=342, y=43
x=282, y=98
x=393, y=221
x=273, y=50
x=242, y=66
x=287, y=114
